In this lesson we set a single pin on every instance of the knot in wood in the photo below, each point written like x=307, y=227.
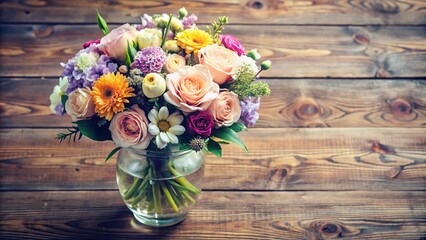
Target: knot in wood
x=306, y=109
x=401, y=107
x=256, y=4
x=43, y=31
x=361, y=39
x=330, y=229
x=389, y=7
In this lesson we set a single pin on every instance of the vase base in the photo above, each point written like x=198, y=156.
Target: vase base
x=156, y=222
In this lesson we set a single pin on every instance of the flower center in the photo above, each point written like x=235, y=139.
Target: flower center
x=108, y=93
x=163, y=125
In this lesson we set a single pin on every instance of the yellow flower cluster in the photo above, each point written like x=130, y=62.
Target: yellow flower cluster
x=192, y=40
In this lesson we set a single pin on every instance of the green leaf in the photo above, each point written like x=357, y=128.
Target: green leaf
x=131, y=49
x=214, y=148
x=229, y=135
x=91, y=129
x=112, y=153
x=238, y=127
x=64, y=99
x=102, y=24
x=128, y=61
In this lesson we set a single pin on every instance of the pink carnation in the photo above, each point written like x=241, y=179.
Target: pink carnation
x=231, y=42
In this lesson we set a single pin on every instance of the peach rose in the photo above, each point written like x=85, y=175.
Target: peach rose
x=191, y=88
x=115, y=43
x=174, y=62
x=225, y=109
x=80, y=104
x=220, y=62
x=130, y=129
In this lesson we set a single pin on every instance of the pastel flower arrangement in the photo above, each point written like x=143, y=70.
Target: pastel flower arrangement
x=161, y=85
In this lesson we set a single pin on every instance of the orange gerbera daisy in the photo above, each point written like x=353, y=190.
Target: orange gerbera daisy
x=193, y=40
x=109, y=94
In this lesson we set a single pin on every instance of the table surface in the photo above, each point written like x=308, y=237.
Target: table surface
x=339, y=150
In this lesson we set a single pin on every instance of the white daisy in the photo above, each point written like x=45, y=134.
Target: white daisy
x=165, y=127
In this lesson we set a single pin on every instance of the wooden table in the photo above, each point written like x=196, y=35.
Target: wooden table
x=339, y=150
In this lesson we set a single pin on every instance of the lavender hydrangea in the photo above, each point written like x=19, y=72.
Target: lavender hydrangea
x=149, y=60
x=86, y=67
x=249, y=107
x=189, y=21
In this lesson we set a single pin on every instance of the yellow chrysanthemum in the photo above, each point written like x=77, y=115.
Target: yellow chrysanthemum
x=193, y=40
x=109, y=94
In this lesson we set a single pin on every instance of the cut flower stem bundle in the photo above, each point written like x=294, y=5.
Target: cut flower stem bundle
x=161, y=182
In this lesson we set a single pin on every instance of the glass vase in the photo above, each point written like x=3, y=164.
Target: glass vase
x=160, y=187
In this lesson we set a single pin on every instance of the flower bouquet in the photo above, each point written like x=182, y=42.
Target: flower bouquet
x=165, y=92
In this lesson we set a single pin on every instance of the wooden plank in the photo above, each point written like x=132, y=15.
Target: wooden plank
x=325, y=12
x=279, y=159
x=293, y=103
x=220, y=215
x=297, y=52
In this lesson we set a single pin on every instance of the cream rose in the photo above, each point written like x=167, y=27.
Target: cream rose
x=225, y=109
x=80, y=104
x=153, y=85
x=130, y=129
x=171, y=46
x=115, y=43
x=174, y=62
x=148, y=37
x=220, y=62
x=191, y=88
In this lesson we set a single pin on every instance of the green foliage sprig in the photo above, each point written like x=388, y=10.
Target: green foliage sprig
x=217, y=28
x=244, y=85
x=73, y=132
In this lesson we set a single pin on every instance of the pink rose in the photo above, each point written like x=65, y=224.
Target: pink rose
x=225, y=109
x=115, y=43
x=230, y=42
x=130, y=129
x=191, y=88
x=220, y=62
x=80, y=104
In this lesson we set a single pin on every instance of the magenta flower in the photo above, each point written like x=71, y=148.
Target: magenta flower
x=200, y=124
x=231, y=42
x=90, y=42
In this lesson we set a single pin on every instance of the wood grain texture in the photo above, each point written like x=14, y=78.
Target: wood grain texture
x=292, y=103
x=279, y=159
x=220, y=215
x=325, y=12
x=297, y=52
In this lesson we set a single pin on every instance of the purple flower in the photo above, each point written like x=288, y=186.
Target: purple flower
x=249, y=107
x=87, y=72
x=230, y=42
x=200, y=124
x=59, y=109
x=147, y=22
x=149, y=60
x=189, y=21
